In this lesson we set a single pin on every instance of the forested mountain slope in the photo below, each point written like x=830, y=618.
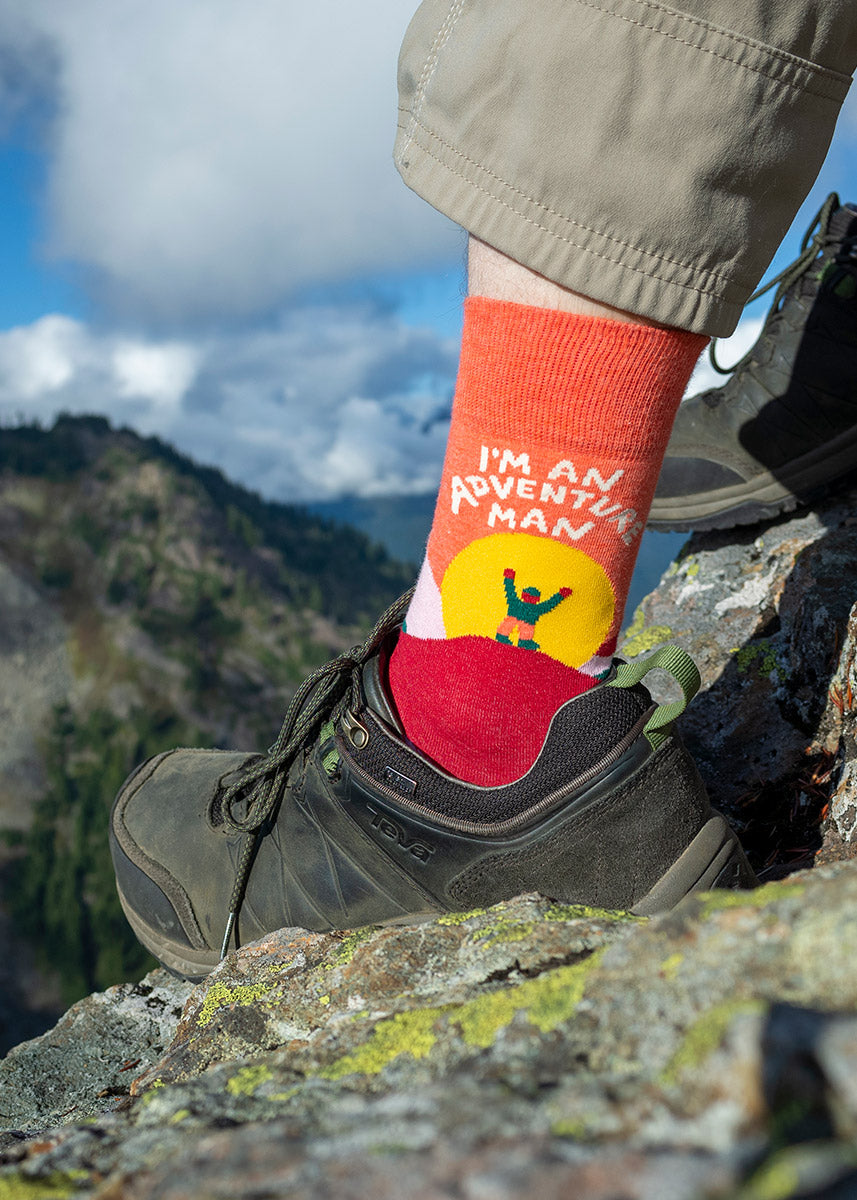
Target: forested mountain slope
x=146, y=602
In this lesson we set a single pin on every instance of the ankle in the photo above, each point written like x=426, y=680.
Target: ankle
x=497, y=277
x=558, y=431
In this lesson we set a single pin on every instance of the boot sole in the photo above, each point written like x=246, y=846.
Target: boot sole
x=714, y=859
x=764, y=496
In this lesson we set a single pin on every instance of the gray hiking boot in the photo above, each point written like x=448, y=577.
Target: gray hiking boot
x=784, y=426
x=346, y=824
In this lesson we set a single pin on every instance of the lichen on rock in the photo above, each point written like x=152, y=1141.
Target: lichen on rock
x=535, y=1048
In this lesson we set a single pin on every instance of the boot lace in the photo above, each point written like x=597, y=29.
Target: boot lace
x=815, y=241
x=250, y=804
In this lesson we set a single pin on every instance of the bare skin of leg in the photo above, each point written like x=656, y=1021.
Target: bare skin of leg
x=492, y=274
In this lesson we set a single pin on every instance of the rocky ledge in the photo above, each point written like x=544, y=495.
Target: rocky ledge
x=533, y=1049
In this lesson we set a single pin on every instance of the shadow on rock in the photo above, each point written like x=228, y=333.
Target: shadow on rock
x=768, y=612
x=808, y=1072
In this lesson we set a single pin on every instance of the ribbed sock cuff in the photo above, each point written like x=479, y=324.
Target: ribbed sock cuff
x=588, y=382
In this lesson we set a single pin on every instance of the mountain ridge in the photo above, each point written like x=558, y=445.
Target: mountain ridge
x=148, y=602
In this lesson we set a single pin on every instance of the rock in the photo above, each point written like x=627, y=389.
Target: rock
x=91, y=1056
x=529, y=1046
x=533, y=1048
x=768, y=614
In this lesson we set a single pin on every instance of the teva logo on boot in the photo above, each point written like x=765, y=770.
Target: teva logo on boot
x=399, y=781
x=391, y=829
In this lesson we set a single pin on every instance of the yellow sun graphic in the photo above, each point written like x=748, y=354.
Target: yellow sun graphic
x=474, y=596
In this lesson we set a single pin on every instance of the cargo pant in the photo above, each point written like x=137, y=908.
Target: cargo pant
x=649, y=158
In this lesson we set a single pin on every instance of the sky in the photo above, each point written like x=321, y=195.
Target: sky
x=204, y=237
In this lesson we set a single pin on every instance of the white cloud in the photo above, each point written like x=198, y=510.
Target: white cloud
x=206, y=161
x=316, y=405
x=358, y=457
x=40, y=359
x=162, y=373
x=208, y=158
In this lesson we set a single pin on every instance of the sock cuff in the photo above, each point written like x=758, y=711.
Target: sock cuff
x=593, y=381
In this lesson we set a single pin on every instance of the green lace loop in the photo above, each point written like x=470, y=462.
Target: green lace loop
x=677, y=663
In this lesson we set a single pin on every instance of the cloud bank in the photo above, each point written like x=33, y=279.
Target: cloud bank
x=214, y=168
x=209, y=159
x=314, y=406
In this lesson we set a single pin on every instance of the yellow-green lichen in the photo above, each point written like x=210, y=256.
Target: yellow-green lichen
x=568, y=1129
x=669, y=967
x=508, y=929
x=763, y=655
x=787, y=1172
x=59, y=1185
x=638, y=637
x=691, y=566
x=582, y=912
x=152, y=1091
x=180, y=1115
x=460, y=918
x=220, y=995
x=325, y=1000
x=776, y=1179
x=504, y=929
x=547, y=1000
x=347, y=948
x=278, y=967
x=705, y=1035
x=248, y=1079
x=281, y=1097
x=405, y=1033
x=760, y=897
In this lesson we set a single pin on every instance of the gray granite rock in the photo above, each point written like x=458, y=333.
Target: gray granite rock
x=531, y=1049
x=91, y=1056
x=769, y=615
x=583, y=1052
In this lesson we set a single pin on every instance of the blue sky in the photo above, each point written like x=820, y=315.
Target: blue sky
x=31, y=287
x=204, y=237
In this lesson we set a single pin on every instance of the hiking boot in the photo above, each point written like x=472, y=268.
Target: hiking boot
x=345, y=824
x=785, y=424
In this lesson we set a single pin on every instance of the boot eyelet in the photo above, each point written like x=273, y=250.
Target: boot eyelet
x=355, y=731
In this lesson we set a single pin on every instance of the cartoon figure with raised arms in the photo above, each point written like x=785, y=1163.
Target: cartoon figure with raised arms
x=522, y=612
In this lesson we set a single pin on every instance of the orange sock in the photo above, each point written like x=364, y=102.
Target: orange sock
x=559, y=428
